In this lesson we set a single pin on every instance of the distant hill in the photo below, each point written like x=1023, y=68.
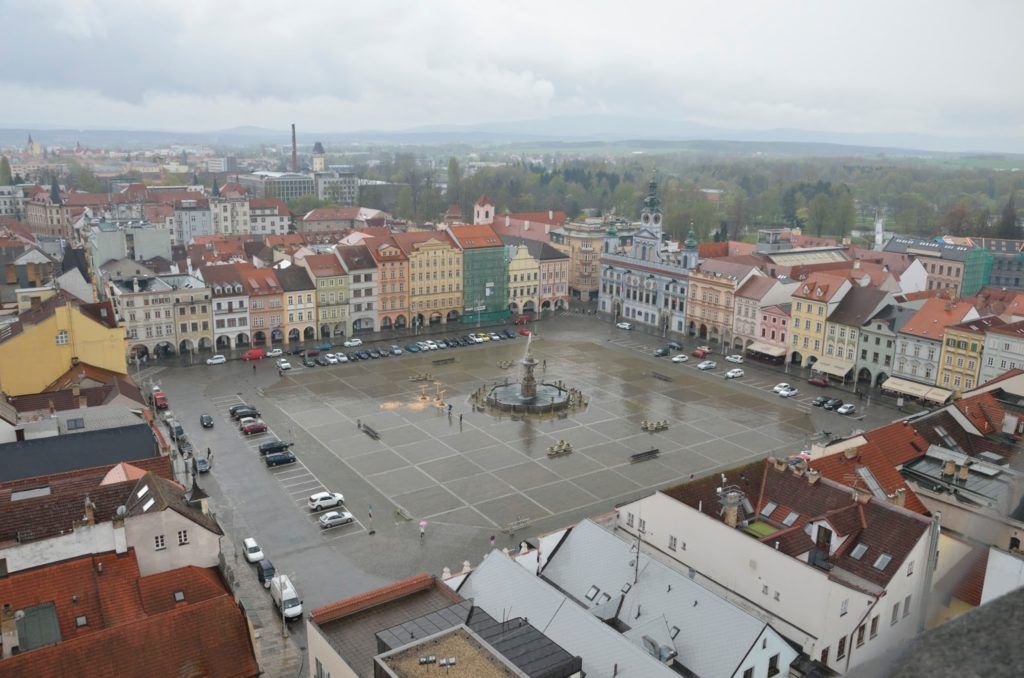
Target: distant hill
x=567, y=129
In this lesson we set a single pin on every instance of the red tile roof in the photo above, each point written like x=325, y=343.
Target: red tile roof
x=1009, y=329
x=899, y=441
x=332, y=214
x=819, y=287
x=983, y=411
x=324, y=265
x=934, y=316
x=484, y=200
x=409, y=242
x=475, y=237
x=972, y=584
x=842, y=468
x=131, y=629
x=379, y=596
x=279, y=206
x=756, y=287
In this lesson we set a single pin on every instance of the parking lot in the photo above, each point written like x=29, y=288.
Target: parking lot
x=477, y=475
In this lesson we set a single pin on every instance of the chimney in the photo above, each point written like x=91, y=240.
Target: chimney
x=295, y=151
x=526, y=225
x=120, y=538
x=731, y=507
x=799, y=467
x=851, y=453
x=551, y=215
x=9, y=631
x=965, y=471
x=861, y=496
x=90, y=511
x=899, y=497
x=856, y=263
x=731, y=515
x=949, y=468
x=813, y=475
x=135, y=284
x=508, y=220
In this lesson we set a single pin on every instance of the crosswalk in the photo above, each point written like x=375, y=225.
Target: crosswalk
x=297, y=480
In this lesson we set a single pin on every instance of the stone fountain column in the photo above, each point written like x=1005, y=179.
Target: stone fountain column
x=528, y=387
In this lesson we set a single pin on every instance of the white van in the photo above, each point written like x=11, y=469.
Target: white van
x=281, y=589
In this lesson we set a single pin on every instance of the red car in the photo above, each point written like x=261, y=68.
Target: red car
x=700, y=353
x=258, y=426
x=818, y=381
x=523, y=332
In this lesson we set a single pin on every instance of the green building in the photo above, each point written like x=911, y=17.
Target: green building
x=484, y=274
x=977, y=271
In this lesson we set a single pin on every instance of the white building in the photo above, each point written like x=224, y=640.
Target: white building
x=756, y=293
x=268, y=216
x=192, y=218
x=919, y=341
x=1004, y=350
x=361, y=270
x=12, y=201
x=339, y=186
x=841, y=574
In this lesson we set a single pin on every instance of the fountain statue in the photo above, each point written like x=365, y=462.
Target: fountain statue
x=529, y=396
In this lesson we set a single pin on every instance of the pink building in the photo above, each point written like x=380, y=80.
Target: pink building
x=773, y=333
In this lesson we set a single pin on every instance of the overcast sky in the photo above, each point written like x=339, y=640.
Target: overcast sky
x=948, y=68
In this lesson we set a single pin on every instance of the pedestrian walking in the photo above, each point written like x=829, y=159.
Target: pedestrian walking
x=460, y=419
x=208, y=453
x=359, y=424
x=493, y=539
x=254, y=367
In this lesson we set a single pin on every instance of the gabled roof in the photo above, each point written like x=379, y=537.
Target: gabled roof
x=475, y=236
x=153, y=493
x=858, y=467
x=538, y=249
x=259, y=281
x=756, y=287
x=899, y=441
x=857, y=306
x=277, y=206
x=820, y=287
x=934, y=316
x=324, y=265
x=724, y=268
x=920, y=246
x=356, y=257
x=410, y=241
x=978, y=326
x=66, y=399
x=484, y=200
x=294, y=279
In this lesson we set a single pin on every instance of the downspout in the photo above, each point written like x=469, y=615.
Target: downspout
x=929, y=573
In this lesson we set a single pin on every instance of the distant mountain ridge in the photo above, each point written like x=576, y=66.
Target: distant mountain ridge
x=569, y=129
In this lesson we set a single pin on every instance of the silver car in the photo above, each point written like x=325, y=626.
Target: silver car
x=335, y=518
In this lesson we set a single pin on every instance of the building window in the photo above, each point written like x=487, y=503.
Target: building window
x=62, y=338
x=642, y=525
x=906, y=607
x=672, y=543
x=629, y=520
x=895, y=612
x=158, y=542
x=182, y=537
x=824, y=656
x=844, y=607
x=841, y=649
x=860, y=635
x=748, y=673
x=874, y=626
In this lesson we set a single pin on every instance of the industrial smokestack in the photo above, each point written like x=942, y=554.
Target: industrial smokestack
x=295, y=151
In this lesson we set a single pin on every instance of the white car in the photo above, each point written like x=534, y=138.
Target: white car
x=354, y=341
x=707, y=365
x=779, y=388
x=335, y=518
x=324, y=500
x=472, y=339
x=431, y=346
x=788, y=392
x=624, y=326
x=275, y=353
x=252, y=550
x=734, y=358
x=331, y=358
x=848, y=408
x=734, y=373
x=341, y=357
x=216, y=360
x=283, y=364
x=680, y=358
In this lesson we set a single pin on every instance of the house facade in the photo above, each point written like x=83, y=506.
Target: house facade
x=266, y=307
x=435, y=277
x=484, y=273
x=328, y=275
x=960, y=360
x=392, y=284
x=299, y=296
x=919, y=342
x=754, y=295
x=361, y=271
x=230, y=301
x=1003, y=350
x=813, y=303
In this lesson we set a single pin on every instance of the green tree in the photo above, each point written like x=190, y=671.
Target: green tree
x=844, y=214
x=454, y=192
x=83, y=179
x=1008, y=227
x=819, y=213
x=302, y=205
x=5, y=171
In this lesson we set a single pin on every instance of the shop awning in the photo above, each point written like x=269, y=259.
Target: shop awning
x=834, y=366
x=938, y=395
x=767, y=349
x=910, y=388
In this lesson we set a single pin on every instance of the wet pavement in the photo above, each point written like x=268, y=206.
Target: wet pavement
x=473, y=474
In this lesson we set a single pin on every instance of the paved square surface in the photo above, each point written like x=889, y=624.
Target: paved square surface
x=490, y=471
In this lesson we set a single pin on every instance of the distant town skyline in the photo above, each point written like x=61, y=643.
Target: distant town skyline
x=857, y=68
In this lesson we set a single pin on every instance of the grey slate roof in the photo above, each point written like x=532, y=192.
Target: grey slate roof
x=902, y=244
x=857, y=306
x=538, y=249
x=56, y=454
x=502, y=588
x=294, y=279
x=714, y=635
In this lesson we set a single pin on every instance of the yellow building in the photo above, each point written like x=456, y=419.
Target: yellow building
x=960, y=358
x=813, y=303
x=523, y=274
x=55, y=335
x=435, y=276
x=299, y=296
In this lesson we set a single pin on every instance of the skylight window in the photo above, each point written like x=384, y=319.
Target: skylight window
x=858, y=551
x=142, y=492
x=769, y=509
x=791, y=518
x=673, y=632
x=592, y=593
x=882, y=562
x=149, y=504
x=179, y=596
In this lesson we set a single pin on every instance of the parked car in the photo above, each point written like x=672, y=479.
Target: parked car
x=258, y=426
x=848, y=408
x=781, y=387
x=788, y=392
x=495, y=336
x=322, y=361
x=330, y=358
x=624, y=326
x=202, y=464
x=508, y=334
x=283, y=364
x=235, y=408
x=353, y=342
x=524, y=332
x=413, y=348
x=818, y=381
x=160, y=400
x=325, y=346
x=662, y=352
x=734, y=373
x=707, y=365
x=482, y=337
x=431, y=345
x=279, y=459
x=820, y=400
x=308, y=362
x=285, y=597
x=374, y=353
x=311, y=352
x=441, y=343
x=206, y=421
x=395, y=349
x=341, y=357
x=833, y=404
x=335, y=518
x=274, y=353
x=253, y=552
x=700, y=353
x=675, y=345
x=253, y=354
x=353, y=357
x=735, y=358
x=265, y=572
x=680, y=358
x=244, y=411
x=325, y=500
x=216, y=360
x=363, y=355
x=272, y=446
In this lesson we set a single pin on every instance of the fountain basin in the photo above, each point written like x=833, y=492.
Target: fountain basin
x=510, y=398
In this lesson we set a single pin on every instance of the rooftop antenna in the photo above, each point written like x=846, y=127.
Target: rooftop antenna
x=295, y=151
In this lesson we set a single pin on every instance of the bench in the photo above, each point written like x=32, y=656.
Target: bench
x=644, y=456
x=370, y=432
x=443, y=361
x=662, y=377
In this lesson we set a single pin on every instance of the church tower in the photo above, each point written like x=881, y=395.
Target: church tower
x=650, y=215
x=319, y=158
